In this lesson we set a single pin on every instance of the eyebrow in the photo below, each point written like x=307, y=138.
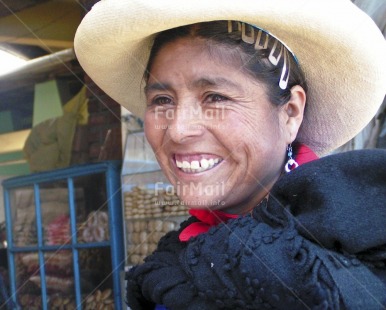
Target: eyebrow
x=214, y=81
x=200, y=83
x=156, y=86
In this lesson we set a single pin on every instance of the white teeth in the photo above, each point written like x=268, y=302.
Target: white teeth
x=197, y=166
x=204, y=164
x=194, y=165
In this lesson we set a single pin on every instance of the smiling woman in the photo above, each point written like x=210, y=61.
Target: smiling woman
x=238, y=99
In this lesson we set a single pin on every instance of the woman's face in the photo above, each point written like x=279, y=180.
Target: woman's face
x=218, y=139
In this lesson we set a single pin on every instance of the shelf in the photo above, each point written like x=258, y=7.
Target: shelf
x=65, y=237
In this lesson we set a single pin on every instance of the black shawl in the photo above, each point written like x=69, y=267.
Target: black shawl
x=319, y=242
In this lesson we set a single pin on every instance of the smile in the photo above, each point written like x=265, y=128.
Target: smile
x=195, y=166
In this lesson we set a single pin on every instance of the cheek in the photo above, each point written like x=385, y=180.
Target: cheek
x=254, y=125
x=258, y=136
x=152, y=131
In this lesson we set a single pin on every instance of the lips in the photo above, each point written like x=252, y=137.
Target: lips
x=196, y=163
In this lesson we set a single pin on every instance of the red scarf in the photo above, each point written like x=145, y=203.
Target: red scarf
x=209, y=218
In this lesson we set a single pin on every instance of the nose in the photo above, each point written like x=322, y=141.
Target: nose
x=186, y=123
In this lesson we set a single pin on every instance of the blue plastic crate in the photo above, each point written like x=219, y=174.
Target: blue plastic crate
x=101, y=180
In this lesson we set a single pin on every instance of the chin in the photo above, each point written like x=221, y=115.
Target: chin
x=207, y=203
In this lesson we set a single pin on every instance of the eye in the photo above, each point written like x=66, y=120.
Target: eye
x=161, y=100
x=213, y=98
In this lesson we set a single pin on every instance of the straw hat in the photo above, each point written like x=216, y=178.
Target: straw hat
x=340, y=49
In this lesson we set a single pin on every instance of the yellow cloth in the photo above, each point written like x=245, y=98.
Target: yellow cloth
x=49, y=144
x=78, y=105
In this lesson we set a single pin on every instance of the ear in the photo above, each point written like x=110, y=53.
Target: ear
x=294, y=111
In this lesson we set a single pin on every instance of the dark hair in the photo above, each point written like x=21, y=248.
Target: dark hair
x=231, y=47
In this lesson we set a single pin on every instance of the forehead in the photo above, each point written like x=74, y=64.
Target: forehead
x=196, y=55
x=189, y=48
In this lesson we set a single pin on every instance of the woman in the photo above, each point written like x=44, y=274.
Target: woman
x=230, y=112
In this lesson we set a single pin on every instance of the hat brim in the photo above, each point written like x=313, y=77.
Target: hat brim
x=339, y=48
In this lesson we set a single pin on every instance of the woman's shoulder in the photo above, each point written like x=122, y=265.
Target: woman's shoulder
x=353, y=178
x=340, y=198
